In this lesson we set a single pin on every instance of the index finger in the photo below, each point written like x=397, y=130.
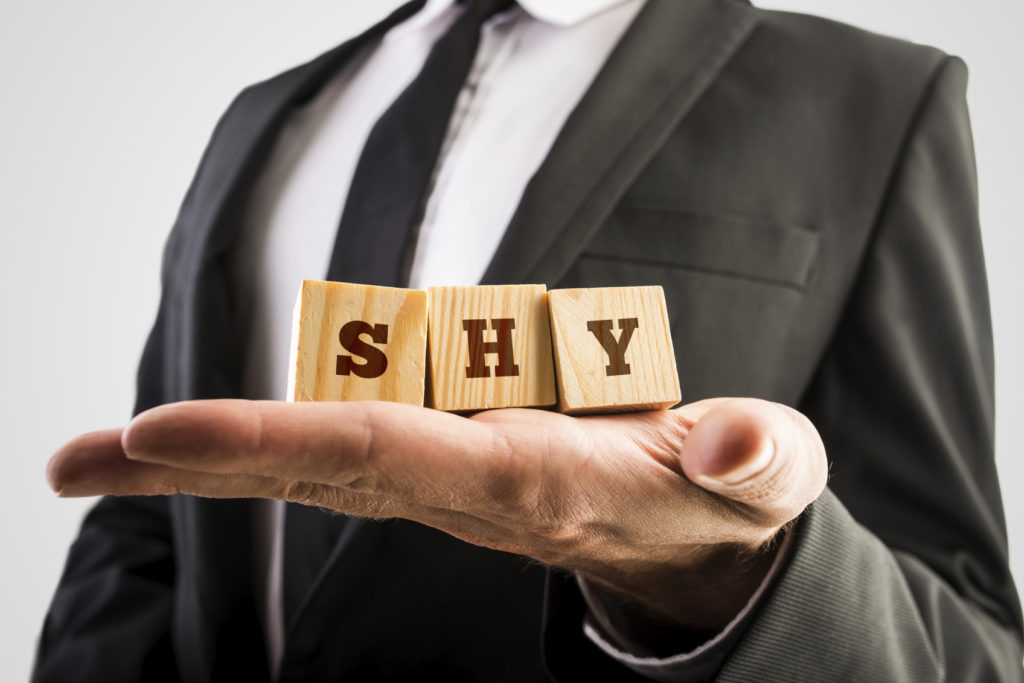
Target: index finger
x=411, y=453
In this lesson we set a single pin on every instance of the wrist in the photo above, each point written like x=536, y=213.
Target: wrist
x=699, y=594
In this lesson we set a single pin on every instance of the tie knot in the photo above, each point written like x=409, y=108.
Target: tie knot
x=482, y=10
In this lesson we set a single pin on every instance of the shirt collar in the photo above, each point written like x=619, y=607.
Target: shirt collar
x=566, y=12
x=557, y=12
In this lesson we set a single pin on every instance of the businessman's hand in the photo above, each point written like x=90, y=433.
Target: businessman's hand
x=675, y=509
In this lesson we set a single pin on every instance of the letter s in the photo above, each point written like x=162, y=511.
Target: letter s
x=376, y=362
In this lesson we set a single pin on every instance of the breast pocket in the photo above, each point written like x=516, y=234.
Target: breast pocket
x=734, y=287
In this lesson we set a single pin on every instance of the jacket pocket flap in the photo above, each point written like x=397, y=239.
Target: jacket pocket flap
x=710, y=242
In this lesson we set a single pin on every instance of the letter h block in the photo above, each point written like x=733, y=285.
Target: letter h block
x=358, y=343
x=613, y=350
x=490, y=347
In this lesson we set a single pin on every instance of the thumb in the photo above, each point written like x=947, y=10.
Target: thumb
x=765, y=456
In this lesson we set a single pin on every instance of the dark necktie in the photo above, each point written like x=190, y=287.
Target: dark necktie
x=389, y=187
x=383, y=207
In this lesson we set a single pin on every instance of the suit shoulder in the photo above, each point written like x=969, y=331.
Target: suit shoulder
x=827, y=51
x=308, y=74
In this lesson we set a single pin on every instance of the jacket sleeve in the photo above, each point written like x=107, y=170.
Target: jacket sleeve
x=900, y=571
x=110, y=617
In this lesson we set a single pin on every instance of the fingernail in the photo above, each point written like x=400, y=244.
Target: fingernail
x=753, y=467
x=78, y=491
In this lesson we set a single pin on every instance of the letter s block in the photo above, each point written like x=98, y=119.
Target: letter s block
x=490, y=347
x=613, y=350
x=358, y=343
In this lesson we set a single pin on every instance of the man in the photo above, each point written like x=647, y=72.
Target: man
x=805, y=194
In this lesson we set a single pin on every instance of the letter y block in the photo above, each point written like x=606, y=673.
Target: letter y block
x=613, y=350
x=358, y=343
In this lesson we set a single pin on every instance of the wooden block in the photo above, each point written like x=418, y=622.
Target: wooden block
x=358, y=343
x=613, y=350
x=490, y=347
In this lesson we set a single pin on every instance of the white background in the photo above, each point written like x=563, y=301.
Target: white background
x=106, y=107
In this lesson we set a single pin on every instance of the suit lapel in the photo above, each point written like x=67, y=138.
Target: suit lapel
x=662, y=65
x=205, y=312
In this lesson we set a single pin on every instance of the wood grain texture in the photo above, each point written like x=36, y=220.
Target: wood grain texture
x=340, y=334
x=468, y=370
x=613, y=350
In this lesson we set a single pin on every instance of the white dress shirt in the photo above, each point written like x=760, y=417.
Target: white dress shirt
x=533, y=65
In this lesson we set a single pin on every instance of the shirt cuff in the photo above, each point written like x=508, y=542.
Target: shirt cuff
x=621, y=636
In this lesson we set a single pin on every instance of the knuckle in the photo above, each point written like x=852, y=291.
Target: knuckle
x=509, y=487
x=355, y=465
x=566, y=537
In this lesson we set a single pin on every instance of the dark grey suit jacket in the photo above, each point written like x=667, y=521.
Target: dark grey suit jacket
x=805, y=193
